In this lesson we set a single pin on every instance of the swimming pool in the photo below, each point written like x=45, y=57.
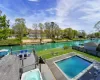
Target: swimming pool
x=71, y=67
x=32, y=75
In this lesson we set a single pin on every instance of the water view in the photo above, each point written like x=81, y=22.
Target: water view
x=34, y=34
x=39, y=47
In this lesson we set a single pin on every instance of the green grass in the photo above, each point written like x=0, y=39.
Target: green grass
x=47, y=53
x=9, y=42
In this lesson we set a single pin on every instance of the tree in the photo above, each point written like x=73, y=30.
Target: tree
x=57, y=31
x=52, y=30
x=47, y=30
x=68, y=32
x=19, y=28
x=75, y=33
x=4, y=27
x=41, y=26
x=82, y=34
x=52, y=25
x=35, y=28
x=97, y=34
x=97, y=26
x=0, y=12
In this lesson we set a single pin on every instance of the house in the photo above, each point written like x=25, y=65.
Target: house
x=34, y=33
x=91, y=46
x=98, y=48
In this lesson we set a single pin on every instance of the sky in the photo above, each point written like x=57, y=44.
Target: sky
x=77, y=14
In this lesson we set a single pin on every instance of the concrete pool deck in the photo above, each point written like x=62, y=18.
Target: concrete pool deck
x=58, y=74
x=46, y=73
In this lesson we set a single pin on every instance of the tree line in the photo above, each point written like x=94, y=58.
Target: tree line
x=49, y=30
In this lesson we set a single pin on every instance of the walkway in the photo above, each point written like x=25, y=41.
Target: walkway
x=29, y=63
x=46, y=72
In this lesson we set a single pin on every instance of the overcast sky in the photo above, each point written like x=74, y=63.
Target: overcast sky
x=77, y=14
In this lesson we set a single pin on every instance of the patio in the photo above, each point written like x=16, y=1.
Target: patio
x=89, y=75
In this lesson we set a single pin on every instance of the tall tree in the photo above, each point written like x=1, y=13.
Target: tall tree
x=97, y=26
x=19, y=28
x=47, y=29
x=68, y=32
x=41, y=26
x=52, y=30
x=35, y=28
x=97, y=34
x=75, y=33
x=0, y=12
x=57, y=31
x=4, y=27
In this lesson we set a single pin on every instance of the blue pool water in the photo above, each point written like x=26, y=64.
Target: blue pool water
x=73, y=66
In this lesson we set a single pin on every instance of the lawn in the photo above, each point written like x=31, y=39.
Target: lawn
x=47, y=53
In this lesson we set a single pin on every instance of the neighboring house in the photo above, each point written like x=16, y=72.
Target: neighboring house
x=11, y=37
x=98, y=48
x=91, y=46
x=34, y=34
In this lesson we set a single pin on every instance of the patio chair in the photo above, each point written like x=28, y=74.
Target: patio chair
x=25, y=56
x=21, y=51
x=20, y=57
x=26, y=51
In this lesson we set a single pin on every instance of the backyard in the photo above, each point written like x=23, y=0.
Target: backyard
x=47, y=54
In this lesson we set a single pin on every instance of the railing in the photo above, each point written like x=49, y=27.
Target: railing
x=29, y=67
x=22, y=51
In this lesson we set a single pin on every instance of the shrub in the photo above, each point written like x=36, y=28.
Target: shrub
x=9, y=42
x=65, y=47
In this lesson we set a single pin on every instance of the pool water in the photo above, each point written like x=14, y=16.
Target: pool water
x=32, y=75
x=73, y=66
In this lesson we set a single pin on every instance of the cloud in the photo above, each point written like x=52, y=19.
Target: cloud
x=77, y=14
x=91, y=11
x=64, y=9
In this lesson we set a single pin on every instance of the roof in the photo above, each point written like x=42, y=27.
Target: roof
x=98, y=48
x=34, y=31
x=9, y=68
x=93, y=44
